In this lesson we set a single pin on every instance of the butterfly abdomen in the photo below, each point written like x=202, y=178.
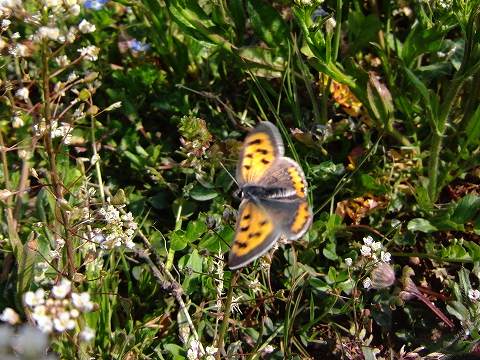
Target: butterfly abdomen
x=261, y=192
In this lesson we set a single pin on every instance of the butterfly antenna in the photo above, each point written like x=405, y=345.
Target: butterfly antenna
x=229, y=174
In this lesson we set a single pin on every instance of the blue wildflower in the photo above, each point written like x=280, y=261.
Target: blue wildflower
x=94, y=4
x=138, y=46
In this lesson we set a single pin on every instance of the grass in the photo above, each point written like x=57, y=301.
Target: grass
x=119, y=141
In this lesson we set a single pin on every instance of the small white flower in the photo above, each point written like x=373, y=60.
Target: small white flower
x=62, y=60
x=59, y=243
x=15, y=35
x=74, y=313
x=61, y=290
x=9, y=315
x=52, y=3
x=368, y=240
x=474, y=295
x=63, y=322
x=86, y=27
x=211, y=350
x=82, y=301
x=71, y=35
x=72, y=77
x=17, y=122
x=5, y=24
x=330, y=24
x=194, y=351
x=376, y=246
x=44, y=323
x=130, y=244
x=34, y=298
x=22, y=94
x=74, y=10
x=22, y=50
x=127, y=217
x=367, y=283
x=385, y=256
x=45, y=32
x=268, y=349
x=87, y=334
x=366, y=250
x=90, y=52
x=348, y=262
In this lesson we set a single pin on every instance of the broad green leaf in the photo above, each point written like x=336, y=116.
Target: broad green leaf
x=267, y=23
x=466, y=208
x=178, y=240
x=201, y=193
x=195, y=229
x=422, y=225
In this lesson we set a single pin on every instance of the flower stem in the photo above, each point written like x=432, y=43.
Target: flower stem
x=226, y=314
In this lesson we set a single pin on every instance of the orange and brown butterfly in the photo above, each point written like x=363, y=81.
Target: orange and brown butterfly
x=274, y=196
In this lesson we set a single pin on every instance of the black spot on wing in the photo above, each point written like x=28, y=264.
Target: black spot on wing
x=240, y=244
x=254, y=235
x=262, y=151
x=246, y=216
x=245, y=228
x=248, y=167
x=265, y=161
x=255, y=142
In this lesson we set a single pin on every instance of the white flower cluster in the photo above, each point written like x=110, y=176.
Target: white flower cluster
x=374, y=250
x=195, y=352
x=118, y=230
x=61, y=310
x=63, y=131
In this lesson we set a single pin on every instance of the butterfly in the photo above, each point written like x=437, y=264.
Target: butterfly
x=274, y=197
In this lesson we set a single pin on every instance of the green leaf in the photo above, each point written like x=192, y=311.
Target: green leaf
x=473, y=128
x=178, y=240
x=267, y=23
x=329, y=251
x=466, y=208
x=422, y=225
x=419, y=85
x=195, y=229
x=26, y=261
x=200, y=193
x=473, y=250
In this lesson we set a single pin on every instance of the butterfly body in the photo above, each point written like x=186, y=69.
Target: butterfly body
x=274, y=196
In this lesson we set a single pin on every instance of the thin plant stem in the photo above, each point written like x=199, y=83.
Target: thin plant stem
x=178, y=226
x=338, y=30
x=57, y=185
x=98, y=170
x=226, y=314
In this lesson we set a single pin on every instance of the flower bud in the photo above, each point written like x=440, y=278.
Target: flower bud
x=382, y=276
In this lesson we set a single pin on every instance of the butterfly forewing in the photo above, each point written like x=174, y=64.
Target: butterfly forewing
x=255, y=233
x=262, y=146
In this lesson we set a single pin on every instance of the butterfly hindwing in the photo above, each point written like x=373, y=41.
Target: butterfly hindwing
x=293, y=216
x=255, y=233
x=286, y=174
x=262, y=146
